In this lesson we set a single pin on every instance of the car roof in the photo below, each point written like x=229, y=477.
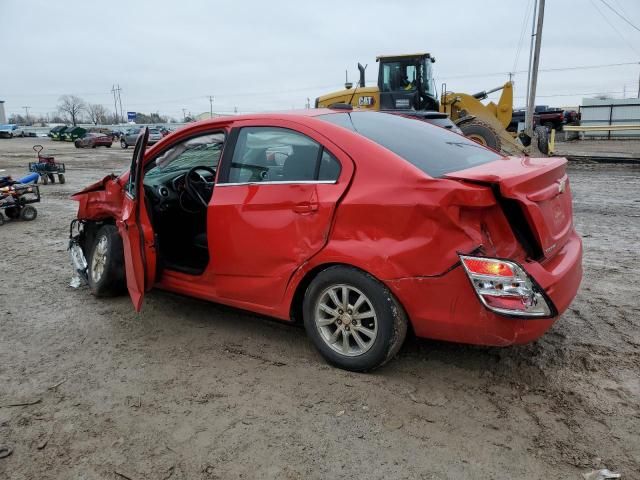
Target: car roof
x=281, y=115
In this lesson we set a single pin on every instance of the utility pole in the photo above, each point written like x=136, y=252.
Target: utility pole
x=184, y=115
x=26, y=111
x=210, y=106
x=115, y=103
x=533, y=72
x=120, y=102
x=308, y=104
x=533, y=29
x=638, y=85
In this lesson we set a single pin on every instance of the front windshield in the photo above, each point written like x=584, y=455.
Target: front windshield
x=199, y=151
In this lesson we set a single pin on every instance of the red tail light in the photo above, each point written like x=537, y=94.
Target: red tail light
x=504, y=287
x=487, y=266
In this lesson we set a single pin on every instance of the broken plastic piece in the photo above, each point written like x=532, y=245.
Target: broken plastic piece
x=79, y=264
x=603, y=474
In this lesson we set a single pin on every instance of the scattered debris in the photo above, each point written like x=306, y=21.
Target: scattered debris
x=122, y=475
x=5, y=451
x=23, y=404
x=603, y=474
x=53, y=387
x=393, y=423
x=340, y=413
x=239, y=351
x=43, y=443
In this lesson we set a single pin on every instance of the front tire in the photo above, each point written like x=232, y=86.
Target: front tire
x=482, y=133
x=353, y=320
x=28, y=213
x=123, y=144
x=542, y=135
x=106, y=263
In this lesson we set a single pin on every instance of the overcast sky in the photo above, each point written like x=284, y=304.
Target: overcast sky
x=272, y=55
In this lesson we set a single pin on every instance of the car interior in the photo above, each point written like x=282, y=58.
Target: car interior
x=178, y=186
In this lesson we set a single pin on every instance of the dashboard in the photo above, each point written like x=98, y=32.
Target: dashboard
x=168, y=190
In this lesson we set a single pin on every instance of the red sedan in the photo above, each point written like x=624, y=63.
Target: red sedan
x=356, y=223
x=93, y=140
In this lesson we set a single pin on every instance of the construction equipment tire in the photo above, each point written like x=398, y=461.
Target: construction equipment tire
x=542, y=136
x=481, y=133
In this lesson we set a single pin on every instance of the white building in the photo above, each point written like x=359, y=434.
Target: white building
x=610, y=111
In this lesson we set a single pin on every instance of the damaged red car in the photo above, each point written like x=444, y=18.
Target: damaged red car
x=359, y=224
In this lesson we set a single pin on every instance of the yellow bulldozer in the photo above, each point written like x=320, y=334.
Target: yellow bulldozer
x=406, y=86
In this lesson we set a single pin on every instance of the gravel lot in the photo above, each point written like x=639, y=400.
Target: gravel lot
x=190, y=390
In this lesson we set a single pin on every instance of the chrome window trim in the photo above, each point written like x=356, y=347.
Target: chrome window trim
x=283, y=182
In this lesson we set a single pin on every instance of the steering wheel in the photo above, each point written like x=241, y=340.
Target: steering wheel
x=197, y=187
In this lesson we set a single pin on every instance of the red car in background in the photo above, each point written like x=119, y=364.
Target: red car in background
x=357, y=223
x=93, y=140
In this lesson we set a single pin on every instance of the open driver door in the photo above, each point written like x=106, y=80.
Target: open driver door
x=136, y=230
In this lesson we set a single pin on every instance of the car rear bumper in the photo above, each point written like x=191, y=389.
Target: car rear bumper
x=447, y=308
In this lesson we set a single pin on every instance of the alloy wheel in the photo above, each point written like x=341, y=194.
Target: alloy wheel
x=346, y=320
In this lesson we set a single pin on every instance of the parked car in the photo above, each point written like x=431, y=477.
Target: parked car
x=163, y=130
x=93, y=140
x=10, y=131
x=550, y=118
x=56, y=132
x=130, y=136
x=356, y=223
x=71, y=134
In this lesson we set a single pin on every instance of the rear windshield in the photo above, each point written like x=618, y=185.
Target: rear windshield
x=433, y=150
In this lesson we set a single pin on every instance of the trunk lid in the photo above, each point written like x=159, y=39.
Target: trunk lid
x=535, y=196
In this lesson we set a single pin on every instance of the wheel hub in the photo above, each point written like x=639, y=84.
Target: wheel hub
x=346, y=319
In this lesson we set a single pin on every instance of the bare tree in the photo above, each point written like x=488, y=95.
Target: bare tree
x=72, y=106
x=97, y=113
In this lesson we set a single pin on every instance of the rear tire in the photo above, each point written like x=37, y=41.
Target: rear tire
x=481, y=133
x=123, y=144
x=61, y=178
x=12, y=212
x=106, y=263
x=45, y=179
x=370, y=312
x=28, y=213
x=52, y=178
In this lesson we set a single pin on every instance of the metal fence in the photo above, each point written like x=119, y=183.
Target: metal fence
x=610, y=114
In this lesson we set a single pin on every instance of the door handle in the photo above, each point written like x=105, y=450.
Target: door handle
x=305, y=207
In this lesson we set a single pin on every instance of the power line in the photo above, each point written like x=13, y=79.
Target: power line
x=559, y=69
x=572, y=94
x=523, y=31
x=614, y=28
x=620, y=15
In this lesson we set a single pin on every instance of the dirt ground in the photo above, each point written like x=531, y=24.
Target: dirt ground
x=193, y=390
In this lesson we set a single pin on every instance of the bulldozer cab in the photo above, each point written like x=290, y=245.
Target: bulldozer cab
x=406, y=82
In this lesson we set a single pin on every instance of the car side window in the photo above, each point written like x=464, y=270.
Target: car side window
x=329, y=167
x=273, y=154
